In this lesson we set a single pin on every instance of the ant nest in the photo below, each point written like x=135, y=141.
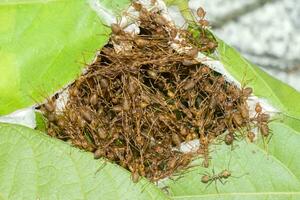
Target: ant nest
x=141, y=99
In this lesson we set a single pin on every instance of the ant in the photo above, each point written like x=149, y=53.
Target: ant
x=222, y=177
x=201, y=14
x=209, y=178
x=262, y=120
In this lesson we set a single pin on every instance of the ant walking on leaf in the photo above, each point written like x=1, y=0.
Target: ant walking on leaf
x=208, y=178
x=262, y=119
x=222, y=177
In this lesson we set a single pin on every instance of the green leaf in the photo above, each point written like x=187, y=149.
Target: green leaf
x=280, y=95
x=256, y=174
x=284, y=145
x=41, y=123
x=35, y=166
x=44, y=46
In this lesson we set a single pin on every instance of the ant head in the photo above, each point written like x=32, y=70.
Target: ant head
x=201, y=12
x=258, y=108
x=229, y=138
x=225, y=173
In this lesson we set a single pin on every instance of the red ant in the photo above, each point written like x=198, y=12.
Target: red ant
x=208, y=178
x=262, y=120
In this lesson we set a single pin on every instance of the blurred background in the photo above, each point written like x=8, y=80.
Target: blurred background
x=267, y=32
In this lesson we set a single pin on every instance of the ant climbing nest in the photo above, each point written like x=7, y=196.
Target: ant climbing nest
x=141, y=99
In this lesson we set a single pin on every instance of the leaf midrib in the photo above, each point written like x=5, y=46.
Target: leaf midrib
x=238, y=193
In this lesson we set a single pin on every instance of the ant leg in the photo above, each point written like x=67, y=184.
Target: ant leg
x=265, y=144
x=216, y=186
x=228, y=166
x=269, y=138
x=223, y=183
x=234, y=146
x=166, y=189
x=145, y=185
x=240, y=175
x=207, y=185
x=101, y=166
